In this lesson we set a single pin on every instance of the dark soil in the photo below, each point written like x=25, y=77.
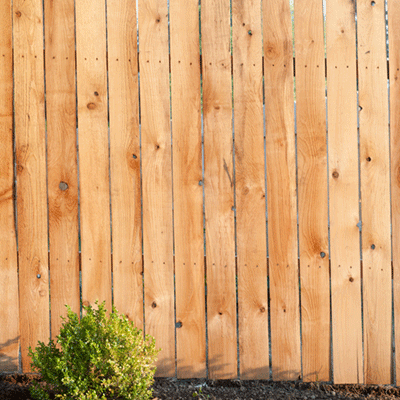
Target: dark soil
x=16, y=387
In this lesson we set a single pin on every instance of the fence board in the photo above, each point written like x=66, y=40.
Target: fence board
x=394, y=55
x=219, y=186
x=9, y=321
x=93, y=151
x=157, y=180
x=188, y=193
x=312, y=189
x=374, y=165
x=62, y=160
x=31, y=175
x=281, y=191
x=343, y=193
x=250, y=190
x=125, y=159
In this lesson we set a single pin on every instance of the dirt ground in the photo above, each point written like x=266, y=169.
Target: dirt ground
x=16, y=387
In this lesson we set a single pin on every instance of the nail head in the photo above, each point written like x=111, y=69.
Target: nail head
x=63, y=186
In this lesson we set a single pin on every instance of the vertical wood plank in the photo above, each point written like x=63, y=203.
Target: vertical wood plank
x=219, y=186
x=188, y=192
x=375, y=190
x=394, y=64
x=62, y=159
x=343, y=193
x=250, y=190
x=9, y=312
x=281, y=191
x=93, y=151
x=31, y=175
x=312, y=189
x=157, y=180
x=125, y=159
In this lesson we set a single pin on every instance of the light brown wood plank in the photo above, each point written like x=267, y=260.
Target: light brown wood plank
x=219, y=186
x=343, y=193
x=93, y=152
x=62, y=170
x=125, y=159
x=281, y=191
x=188, y=192
x=9, y=312
x=312, y=189
x=394, y=55
x=157, y=180
x=250, y=190
x=31, y=175
x=375, y=191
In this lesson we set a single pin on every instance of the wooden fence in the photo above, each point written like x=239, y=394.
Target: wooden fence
x=148, y=158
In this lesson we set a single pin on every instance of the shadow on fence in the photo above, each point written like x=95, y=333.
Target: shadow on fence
x=8, y=363
x=217, y=370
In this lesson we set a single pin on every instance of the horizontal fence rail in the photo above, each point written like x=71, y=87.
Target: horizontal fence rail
x=226, y=173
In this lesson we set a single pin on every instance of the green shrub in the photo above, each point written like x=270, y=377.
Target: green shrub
x=97, y=358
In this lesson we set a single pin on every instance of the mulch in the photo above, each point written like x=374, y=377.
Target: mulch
x=16, y=387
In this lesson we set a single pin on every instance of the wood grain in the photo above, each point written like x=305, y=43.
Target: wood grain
x=30, y=147
x=281, y=191
x=312, y=189
x=62, y=172
x=93, y=152
x=125, y=159
x=188, y=191
x=394, y=56
x=375, y=191
x=343, y=193
x=219, y=190
x=157, y=180
x=9, y=312
x=250, y=190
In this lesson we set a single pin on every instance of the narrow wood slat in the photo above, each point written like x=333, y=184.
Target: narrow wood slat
x=343, y=193
x=250, y=190
x=188, y=191
x=62, y=170
x=9, y=311
x=394, y=55
x=93, y=151
x=375, y=190
x=219, y=186
x=281, y=191
x=312, y=189
x=157, y=180
x=31, y=175
x=125, y=159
